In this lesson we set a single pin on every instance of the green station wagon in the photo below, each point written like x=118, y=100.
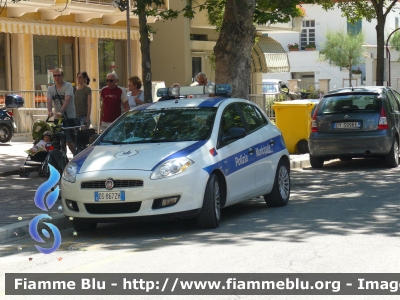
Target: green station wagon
x=356, y=122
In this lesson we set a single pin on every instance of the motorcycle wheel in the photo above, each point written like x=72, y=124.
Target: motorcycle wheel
x=5, y=133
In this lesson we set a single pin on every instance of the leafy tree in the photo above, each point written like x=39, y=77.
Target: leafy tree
x=342, y=49
x=369, y=9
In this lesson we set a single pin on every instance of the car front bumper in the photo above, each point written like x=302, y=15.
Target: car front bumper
x=189, y=186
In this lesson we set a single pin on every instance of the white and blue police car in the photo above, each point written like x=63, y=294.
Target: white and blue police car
x=178, y=158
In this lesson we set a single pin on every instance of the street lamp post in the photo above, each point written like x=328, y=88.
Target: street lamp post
x=388, y=54
x=123, y=5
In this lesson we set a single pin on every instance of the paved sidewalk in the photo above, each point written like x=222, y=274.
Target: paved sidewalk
x=17, y=206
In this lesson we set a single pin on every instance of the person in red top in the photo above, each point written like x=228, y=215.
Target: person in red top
x=111, y=98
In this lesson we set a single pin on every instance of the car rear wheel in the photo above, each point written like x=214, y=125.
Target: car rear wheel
x=279, y=196
x=210, y=213
x=5, y=134
x=392, y=158
x=316, y=162
x=83, y=226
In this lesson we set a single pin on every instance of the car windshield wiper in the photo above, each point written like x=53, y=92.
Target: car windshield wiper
x=163, y=140
x=111, y=142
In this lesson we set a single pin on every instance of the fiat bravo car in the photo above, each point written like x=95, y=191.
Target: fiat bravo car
x=179, y=158
x=356, y=122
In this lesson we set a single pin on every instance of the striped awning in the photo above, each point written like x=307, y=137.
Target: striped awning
x=268, y=56
x=30, y=26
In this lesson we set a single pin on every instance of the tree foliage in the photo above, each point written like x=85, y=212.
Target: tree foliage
x=342, y=49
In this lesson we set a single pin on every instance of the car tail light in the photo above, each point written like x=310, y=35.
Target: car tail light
x=10, y=113
x=314, y=126
x=382, y=124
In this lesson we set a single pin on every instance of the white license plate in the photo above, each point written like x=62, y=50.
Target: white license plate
x=109, y=196
x=347, y=125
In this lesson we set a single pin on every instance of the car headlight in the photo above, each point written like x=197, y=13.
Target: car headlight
x=69, y=173
x=171, y=167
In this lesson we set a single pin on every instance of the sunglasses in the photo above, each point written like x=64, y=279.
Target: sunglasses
x=110, y=80
x=57, y=75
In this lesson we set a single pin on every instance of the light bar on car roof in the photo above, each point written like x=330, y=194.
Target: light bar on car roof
x=217, y=90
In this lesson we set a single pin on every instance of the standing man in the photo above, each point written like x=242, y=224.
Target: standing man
x=201, y=79
x=111, y=98
x=62, y=93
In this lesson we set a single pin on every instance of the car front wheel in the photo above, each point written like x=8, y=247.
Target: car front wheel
x=210, y=212
x=279, y=196
x=392, y=158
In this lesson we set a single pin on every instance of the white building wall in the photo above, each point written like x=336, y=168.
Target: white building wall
x=308, y=61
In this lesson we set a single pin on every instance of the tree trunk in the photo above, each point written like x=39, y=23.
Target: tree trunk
x=233, y=47
x=145, y=50
x=380, y=49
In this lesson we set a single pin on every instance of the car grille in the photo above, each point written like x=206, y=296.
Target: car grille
x=100, y=184
x=113, y=208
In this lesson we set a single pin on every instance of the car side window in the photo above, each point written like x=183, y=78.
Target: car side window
x=230, y=119
x=394, y=104
x=253, y=117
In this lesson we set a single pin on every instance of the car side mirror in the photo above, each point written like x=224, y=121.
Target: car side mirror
x=234, y=133
x=93, y=137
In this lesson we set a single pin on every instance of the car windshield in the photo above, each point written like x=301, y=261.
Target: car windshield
x=352, y=102
x=270, y=87
x=162, y=125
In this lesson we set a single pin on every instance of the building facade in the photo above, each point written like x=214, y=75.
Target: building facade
x=306, y=65
x=39, y=35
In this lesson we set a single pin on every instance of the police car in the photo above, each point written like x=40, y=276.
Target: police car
x=179, y=158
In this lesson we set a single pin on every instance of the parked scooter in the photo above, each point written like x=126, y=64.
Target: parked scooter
x=7, y=124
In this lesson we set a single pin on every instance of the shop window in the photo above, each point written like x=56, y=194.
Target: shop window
x=45, y=59
x=3, y=74
x=112, y=57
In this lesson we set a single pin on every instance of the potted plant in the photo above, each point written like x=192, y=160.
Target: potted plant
x=310, y=47
x=301, y=12
x=293, y=47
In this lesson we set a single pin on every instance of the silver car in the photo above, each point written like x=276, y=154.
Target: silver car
x=356, y=122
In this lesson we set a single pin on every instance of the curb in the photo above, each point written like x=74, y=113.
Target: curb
x=16, y=231
x=296, y=164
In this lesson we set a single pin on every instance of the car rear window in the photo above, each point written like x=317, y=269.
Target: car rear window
x=351, y=102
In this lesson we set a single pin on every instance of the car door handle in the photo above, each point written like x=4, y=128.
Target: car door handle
x=272, y=142
x=250, y=151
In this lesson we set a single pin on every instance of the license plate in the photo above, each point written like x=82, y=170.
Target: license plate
x=347, y=125
x=109, y=196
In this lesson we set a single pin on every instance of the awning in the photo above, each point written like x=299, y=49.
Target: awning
x=30, y=26
x=268, y=56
